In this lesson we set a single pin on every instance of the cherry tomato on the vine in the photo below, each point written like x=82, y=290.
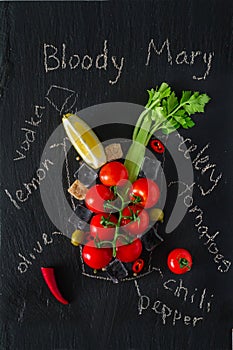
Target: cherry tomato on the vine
x=141, y=222
x=129, y=252
x=179, y=261
x=146, y=190
x=101, y=226
x=112, y=174
x=96, y=258
x=96, y=197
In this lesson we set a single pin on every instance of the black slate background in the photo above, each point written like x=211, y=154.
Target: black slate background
x=102, y=315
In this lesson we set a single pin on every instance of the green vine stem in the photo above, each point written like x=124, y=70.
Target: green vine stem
x=184, y=263
x=107, y=223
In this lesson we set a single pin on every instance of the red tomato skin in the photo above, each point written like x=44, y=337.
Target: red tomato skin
x=129, y=252
x=96, y=196
x=112, y=174
x=135, y=227
x=147, y=190
x=98, y=230
x=173, y=260
x=96, y=258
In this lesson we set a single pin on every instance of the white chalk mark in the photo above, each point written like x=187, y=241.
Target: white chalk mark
x=21, y=155
x=119, y=68
x=55, y=145
x=204, y=193
x=137, y=288
x=58, y=233
x=154, y=269
x=57, y=90
x=81, y=258
x=21, y=311
x=209, y=304
x=202, y=298
x=26, y=261
x=187, y=187
x=158, y=52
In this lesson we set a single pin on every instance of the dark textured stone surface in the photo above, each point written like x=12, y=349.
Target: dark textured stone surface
x=103, y=315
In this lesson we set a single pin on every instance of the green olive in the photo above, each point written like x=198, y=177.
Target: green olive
x=77, y=237
x=156, y=214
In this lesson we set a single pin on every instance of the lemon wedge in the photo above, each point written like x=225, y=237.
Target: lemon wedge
x=84, y=140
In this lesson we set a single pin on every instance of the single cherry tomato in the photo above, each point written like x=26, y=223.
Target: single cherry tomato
x=179, y=261
x=96, y=258
x=96, y=197
x=112, y=174
x=141, y=219
x=138, y=265
x=157, y=146
x=102, y=226
x=147, y=191
x=129, y=252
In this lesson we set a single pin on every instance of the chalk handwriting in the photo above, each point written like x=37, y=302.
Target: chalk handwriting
x=203, y=230
x=210, y=244
x=118, y=67
x=29, y=133
x=22, y=195
x=57, y=58
x=201, y=163
x=182, y=57
x=27, y=261
x=167, y=314
x=165, y=311
x=198, y=297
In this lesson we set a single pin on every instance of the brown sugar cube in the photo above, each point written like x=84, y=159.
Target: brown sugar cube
x=78, y=190
x=113, y=151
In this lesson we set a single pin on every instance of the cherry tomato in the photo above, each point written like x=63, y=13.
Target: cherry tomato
x=138, y=226
x=129, y=252
x=179, y=261
x=99, y=228
x=96, y=196
x=96, y=258
x=147, y=190
x=112, y=174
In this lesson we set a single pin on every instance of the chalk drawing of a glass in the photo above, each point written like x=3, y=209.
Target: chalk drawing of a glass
x=61, y=98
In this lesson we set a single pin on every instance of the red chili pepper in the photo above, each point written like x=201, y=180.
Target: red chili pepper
x=138, y=265
x=157, y=146
x=49, y=277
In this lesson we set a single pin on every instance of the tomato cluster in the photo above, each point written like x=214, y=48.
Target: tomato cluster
x=115, y=230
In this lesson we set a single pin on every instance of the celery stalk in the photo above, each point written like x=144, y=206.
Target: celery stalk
x=163, y=111
x=137, y=150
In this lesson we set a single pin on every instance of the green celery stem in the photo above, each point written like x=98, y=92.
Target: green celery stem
x=134, y=159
